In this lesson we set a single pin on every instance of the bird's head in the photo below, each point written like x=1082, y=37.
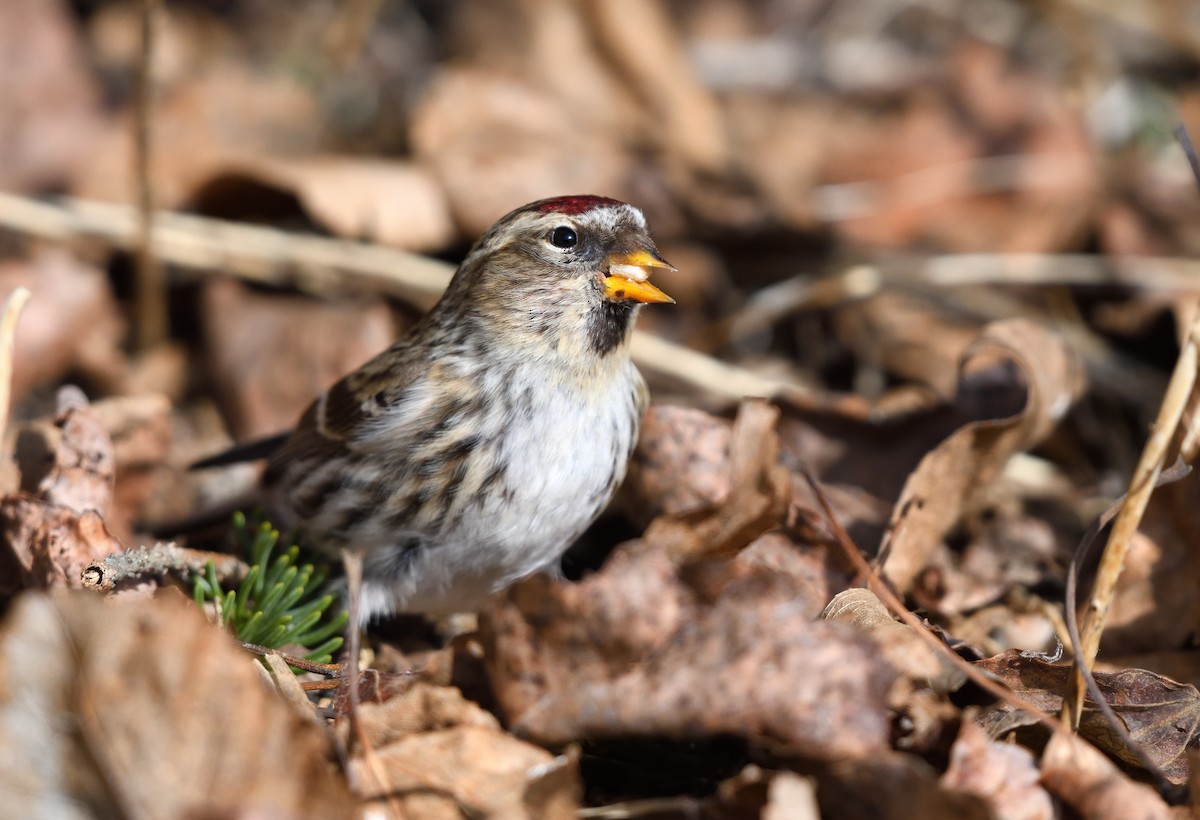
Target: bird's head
x=566, y=273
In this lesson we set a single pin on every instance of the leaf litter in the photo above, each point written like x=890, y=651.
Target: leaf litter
x=911, y=230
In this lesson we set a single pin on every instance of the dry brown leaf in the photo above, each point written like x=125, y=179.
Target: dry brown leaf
x=633, y=650
x=1088, y=782
x=71, y=322
x=946, y=481
x=467, y=771
x=43, y=546
x=270, y=355
x=422, y=708
x=82, y=466
x=1161, y=715
x=904, y=650
x=220, y=110
x=663, y=78
x=51, y=102
x=893, y=786
x=760, y=491
x=495, y=142
x=1157, y=569
x=680, y=465
x=146, y=709
x=1004, y=775
x=140, y=429
x=377, y=200
x=910, y=337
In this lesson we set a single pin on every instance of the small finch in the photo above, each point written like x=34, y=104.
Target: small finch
x=475, y=450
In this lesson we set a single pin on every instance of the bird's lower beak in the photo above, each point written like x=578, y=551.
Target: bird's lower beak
x=626, y=280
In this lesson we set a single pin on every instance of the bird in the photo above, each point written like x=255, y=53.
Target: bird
x=476, y=449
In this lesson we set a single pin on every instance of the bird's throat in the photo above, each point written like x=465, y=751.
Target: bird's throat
x=608, y=326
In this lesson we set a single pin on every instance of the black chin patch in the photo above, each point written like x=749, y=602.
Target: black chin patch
x=608, y=325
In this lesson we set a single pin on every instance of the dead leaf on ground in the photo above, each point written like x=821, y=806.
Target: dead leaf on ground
x=428, y=751
x=760, y=489
x=1161, y=715
x=52, y=105
x=495, y=141
x=167, y=717
x=682, y=468
x=911, y=656
x=77, y=458
x=950, y=477
x=47, y=546
x=1090, y=784
x=1004, y=775
x=72, y=321
x=894, y=786
x=1158, y=569
x=222, y=109
x=376, y=200
x=140, y=429
x=634, y=650
x=54, y=525
x=270, y=355
x=467, y=771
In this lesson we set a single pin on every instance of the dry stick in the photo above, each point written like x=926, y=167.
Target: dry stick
x=1145, y=478
x=1165, y=787
x=353, y=562
x=330, y=670
x=9, y=314
x=160, y=559
x=151, y=296
x=321, y=266
x=884, y=592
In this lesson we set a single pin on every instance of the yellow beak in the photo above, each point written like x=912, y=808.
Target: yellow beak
x=627, y=275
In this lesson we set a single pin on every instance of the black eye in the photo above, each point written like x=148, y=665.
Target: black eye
x=563, y=237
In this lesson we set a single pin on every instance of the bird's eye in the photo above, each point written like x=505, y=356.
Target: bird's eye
x=564, y=237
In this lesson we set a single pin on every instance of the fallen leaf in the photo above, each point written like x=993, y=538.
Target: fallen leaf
x=911, y=656
x=144, y=708
x=72, y=321
x=467, y=771
x=636, y=650
x=1161, y=715
x=760, y=489
x=893, y=786
x=1004, y=775
x=270, y=355
x=948, y=478
x=1088, y=782
x=54, y=106
x=394, y=203
x=48, y=546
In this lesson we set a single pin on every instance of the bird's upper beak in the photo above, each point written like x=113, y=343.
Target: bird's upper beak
x=627, y=273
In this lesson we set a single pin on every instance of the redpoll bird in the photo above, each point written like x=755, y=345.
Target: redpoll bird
x=475, y=450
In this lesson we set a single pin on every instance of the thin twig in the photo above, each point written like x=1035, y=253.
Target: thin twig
x=9, y=314
x=158, y=560
x=329, y=670
x=322, y=266
x=1144, y=480
x=151, y=294
x=884, y=592
x=1175, y=473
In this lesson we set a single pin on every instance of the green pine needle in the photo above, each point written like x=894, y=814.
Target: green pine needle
x=280, y=601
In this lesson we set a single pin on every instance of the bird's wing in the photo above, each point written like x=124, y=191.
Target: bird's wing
x=354, y=413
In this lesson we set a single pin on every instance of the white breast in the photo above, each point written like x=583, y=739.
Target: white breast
x=563, y=460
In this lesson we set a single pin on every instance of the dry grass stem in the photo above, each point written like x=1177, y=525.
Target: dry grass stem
x=1145, y=478
x=9, y=314
x=151, y=296
x=319, y=265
